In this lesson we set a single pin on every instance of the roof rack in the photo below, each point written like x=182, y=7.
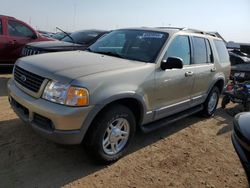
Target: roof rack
x=189, y=30
x=199, y=32
x=179, y=28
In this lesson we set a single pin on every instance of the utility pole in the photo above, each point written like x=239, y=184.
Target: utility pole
x=74, y=22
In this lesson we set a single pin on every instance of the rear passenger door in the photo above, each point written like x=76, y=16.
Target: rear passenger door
x=203, y=63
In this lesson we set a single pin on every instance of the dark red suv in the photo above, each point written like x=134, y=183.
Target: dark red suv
x=14, y=34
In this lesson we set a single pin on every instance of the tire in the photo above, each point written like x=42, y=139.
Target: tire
x=211, y=102
x=107, y=144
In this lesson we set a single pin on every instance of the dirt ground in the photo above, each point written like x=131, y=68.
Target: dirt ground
x=193, y=152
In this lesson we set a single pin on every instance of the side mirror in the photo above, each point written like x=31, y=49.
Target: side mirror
x=172, y=63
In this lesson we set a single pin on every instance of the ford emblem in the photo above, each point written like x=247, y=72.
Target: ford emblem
x=23, y=78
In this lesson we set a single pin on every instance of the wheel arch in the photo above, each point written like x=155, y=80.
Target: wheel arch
x=220, y=83
x=133, y=102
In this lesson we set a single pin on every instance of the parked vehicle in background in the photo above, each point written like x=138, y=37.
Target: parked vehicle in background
x=141, y=78
x=14, y=34
x=79, y=40
x=60, y=35
x=237, y=92
x=241, y=140
x=46, y=33
x=240, y=62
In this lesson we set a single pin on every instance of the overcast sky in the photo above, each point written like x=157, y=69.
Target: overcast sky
x=231, y=18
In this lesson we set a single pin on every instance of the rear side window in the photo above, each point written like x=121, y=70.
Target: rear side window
x=222, y=51
x=19, y=30
x=200, y=50
x=1, y=28
x=179, y=47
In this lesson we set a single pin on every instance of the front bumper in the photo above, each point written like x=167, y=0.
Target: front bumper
x=61, y=124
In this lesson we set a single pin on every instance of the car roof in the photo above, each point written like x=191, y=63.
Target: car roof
x=91, y=30
x=173, y=30
x=9, y=17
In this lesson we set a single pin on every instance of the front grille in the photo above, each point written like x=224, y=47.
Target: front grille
x=27, y=79
x=27, y=51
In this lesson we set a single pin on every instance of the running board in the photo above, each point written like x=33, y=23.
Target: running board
x=171, y=119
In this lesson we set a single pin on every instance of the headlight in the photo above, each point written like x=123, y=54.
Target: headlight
x=66, y=94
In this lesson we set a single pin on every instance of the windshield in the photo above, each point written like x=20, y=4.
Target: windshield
x=81, y=37
x=137, y=45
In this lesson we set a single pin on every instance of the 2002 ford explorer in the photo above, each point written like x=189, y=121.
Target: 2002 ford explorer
x=131, y=78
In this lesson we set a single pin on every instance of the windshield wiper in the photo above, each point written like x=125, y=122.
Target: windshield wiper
x=66, y=34
x=110, y=54
x=89, y=50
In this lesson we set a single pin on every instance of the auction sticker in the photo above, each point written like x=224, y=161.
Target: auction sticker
x=152, y=35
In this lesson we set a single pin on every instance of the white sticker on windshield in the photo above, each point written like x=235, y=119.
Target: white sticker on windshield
x=152, y=35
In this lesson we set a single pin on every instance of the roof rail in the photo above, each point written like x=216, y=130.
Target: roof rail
x=179, y=28
x=199, y=31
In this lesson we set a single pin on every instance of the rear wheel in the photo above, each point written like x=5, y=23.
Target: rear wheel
x=211, y=102
x=112, y=133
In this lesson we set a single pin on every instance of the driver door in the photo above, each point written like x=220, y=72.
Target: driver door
x=174, y=86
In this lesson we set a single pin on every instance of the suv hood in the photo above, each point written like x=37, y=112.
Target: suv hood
x=55, y=45
x=67, y=66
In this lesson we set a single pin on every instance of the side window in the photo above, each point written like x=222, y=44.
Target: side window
x=200, y=50
x=222, y=51
x=19, y=30
x=180, y=47
x=1, y=27
x=210, y=57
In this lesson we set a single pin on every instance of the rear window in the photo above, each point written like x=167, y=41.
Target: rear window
x=1, y=28
x=222, y=51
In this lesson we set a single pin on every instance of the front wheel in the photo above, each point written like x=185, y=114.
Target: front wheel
x=112, y=133
x=211, y=102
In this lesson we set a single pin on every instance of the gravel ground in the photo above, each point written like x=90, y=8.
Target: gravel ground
x=194, y=152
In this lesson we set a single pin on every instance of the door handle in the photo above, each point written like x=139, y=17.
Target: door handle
x=213, y=69
x=189, y=73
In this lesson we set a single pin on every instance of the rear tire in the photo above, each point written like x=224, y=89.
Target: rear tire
x=111, y=134
x=211, y=102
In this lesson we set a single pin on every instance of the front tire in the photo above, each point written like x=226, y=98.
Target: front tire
x=211, y=102
x=111, y=134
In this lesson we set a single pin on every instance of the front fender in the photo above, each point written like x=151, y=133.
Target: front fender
x=100, y=106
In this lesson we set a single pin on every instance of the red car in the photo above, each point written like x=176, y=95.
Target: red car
x=14, y=34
